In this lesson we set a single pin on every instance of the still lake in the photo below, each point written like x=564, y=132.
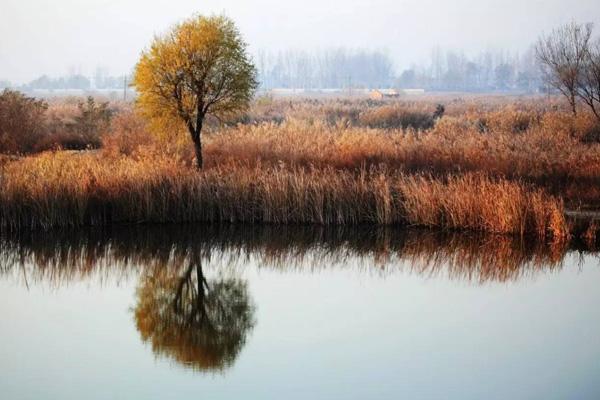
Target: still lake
x=295, y=313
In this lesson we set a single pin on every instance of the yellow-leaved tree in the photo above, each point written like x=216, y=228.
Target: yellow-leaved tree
x=201, y=67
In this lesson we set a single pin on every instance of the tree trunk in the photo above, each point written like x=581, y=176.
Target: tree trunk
x=594, y=110
x=198, y=148
x=573, y=102
x=196, y=133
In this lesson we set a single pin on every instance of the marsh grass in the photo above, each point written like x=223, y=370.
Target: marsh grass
x=72, y=190
x=495, y=164
x=549, y=151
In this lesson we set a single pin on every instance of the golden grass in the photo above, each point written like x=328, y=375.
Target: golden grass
x=495, y=165
x=62, y=189
x=453, y=145
x=476, y=202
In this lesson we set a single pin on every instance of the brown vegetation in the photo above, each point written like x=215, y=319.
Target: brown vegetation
x=60, y=189
x=21, y=122
x=490, y=164
x=29, y=125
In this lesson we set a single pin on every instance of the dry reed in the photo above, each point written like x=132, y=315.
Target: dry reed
x=490, y=164
x=70, y=190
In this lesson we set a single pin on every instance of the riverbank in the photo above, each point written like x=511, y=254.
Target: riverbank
x=56, y=190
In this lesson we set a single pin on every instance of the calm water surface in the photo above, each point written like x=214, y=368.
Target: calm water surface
x=262, y=313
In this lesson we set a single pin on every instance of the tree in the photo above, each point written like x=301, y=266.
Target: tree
x=562, y=56
x=407, y=79
x=503, y=74
x=200, y=323
x=199, y=68
x=589, y=84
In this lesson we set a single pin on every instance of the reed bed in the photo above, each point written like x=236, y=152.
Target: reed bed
x=494, y=164
x=73, y=190
x=549, y=151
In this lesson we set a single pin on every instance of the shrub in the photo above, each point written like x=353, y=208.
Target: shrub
x=393, y=117
x=127, y=134
x=22, y=122
x=509, y=119
x=342, y=116
x=28, y=125
x=93, y=118
x=439, y=111
x=590, y=133
x=84, y=130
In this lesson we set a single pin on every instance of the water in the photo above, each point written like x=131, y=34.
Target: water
x=295, y=314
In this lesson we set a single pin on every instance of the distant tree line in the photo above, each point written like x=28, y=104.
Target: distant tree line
x=100, y=80
x=487, y=71
x=446, y=71
x=103, y=80
x=74, y=81
x=565, y=61
x=346, y=68
x=332, y=68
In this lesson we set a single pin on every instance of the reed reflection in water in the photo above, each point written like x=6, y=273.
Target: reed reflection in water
x=238, y=311
x=64, y=256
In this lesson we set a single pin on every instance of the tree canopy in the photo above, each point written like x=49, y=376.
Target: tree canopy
x=199, y=68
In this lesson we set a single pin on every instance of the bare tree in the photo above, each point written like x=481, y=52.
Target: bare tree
x=562, y=55
x=588, y=88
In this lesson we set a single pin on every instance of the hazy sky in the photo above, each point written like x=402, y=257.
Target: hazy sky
x=53, y=37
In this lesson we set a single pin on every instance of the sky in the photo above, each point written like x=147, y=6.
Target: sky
x=63, y=36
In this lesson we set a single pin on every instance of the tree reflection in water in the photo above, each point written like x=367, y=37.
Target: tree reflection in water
x=203, y=322
x=199, y=323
